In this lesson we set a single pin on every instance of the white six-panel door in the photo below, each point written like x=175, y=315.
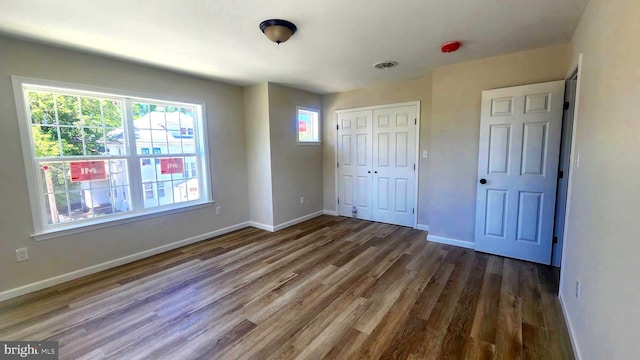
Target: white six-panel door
x=520, y=131
x=377, y=164
x=355, y=164
x=394, y=165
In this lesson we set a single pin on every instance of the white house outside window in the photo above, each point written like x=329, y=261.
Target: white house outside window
x=94, y=157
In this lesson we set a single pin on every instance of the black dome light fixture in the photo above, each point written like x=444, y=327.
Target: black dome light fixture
x=278, y=30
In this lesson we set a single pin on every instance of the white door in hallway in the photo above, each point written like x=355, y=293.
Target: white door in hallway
x=520, y=130
x=376, y=152
x=394, y=138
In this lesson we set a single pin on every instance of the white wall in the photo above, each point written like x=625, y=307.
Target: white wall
x=449, y=130
x=414, y=90
x=296, y=169
x=280, y=170
x=455, y=129
x=601, y=242
x=224, y=106
x=256, y=109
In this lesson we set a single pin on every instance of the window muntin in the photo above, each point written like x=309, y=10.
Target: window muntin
x=308, y=125
x=85, y=172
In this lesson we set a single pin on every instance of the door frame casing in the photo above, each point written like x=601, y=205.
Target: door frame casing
x=417, y=149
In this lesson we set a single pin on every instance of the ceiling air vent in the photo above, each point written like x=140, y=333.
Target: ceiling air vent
x=384, y=65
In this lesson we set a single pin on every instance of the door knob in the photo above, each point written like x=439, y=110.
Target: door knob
x=376, y=171
x=369, y=171
x=483, y=181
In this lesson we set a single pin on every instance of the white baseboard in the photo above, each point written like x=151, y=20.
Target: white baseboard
x=330, y=212
x=572, y=336
x=285, y=224
x=261, y=226
x=422, y=227
x=39, y=285
x=298, y=220
x=448, y=241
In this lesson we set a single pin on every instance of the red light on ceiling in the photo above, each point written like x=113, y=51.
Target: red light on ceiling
x=451, y=46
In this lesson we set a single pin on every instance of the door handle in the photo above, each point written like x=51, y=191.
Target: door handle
x=483, y=181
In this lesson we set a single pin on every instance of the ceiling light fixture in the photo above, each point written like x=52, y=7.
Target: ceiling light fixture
x=384, y=65
x=278, y=30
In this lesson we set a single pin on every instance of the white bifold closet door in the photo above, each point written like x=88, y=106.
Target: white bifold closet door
x=377, y=164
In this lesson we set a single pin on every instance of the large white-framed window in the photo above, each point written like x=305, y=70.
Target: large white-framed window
x=308, y=125
x=96, y=157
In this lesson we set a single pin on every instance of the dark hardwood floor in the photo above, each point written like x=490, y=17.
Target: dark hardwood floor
x=327, y=288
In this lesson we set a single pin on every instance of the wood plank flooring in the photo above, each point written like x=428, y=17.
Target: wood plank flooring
x=328, y=288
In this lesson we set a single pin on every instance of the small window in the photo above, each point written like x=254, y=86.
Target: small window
x=308, y=126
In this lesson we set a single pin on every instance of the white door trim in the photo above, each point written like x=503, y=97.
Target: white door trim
x=567, y=211
x=417, y=148
x=383, y=106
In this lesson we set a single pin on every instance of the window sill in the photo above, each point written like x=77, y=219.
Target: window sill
x=309, y=143
x=114, y=221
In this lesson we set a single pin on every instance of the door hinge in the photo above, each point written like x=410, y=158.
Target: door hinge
x=415, y=121
x=414, y=166
x=337, y=165
x=337, y=127
x=560, y=174
x=566, y=105
x=413, y=211
x=555, y=239
x=338, y=201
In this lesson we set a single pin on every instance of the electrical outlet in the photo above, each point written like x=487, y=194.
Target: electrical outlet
x=301, y=200
x=22, y=254
x=218, y=210
x=577, y=290
x=425, y=154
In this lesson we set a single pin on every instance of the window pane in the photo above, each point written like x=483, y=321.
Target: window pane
x=78, y=212
x=161, y=189
x=91, y=111
x=68, y=111
x=42, y=108
x=180, y=192
x=53, y=175
x=191, y=169
x=169, y=128
x=121, y=196
x=94, y=141
x=71, y=138
x=147, y=170
x=56, y=208
x=308, y=126
x=45, y=141
x=193, y=189
x=118, y=172
x=97, y=200
x=150, y=199
x=112, y=113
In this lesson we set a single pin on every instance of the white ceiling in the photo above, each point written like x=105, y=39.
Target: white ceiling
x=334, y=49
